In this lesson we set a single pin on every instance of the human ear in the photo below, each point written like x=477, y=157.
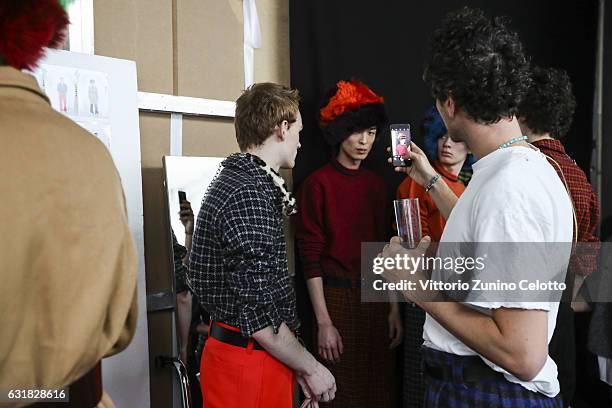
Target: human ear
x=449, y=104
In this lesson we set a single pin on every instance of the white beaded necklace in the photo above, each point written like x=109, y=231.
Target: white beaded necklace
x=289, y=203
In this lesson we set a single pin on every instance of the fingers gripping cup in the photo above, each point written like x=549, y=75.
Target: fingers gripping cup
x=408, y=221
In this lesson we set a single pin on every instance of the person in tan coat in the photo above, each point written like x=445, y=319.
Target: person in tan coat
x=67, y=259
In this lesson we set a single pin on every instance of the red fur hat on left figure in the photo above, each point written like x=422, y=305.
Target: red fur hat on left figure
x=27, y=27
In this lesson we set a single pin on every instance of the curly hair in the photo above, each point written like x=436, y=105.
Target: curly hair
x=480, y=63
x=549, y=105
x=432, y=129
x=352, y=120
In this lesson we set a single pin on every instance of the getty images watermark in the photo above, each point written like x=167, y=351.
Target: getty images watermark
x=459, y=265
x=485, y=272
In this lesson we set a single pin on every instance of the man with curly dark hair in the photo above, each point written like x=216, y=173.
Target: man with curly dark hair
x=548, y=108
x=545, y=116
x=491, y=353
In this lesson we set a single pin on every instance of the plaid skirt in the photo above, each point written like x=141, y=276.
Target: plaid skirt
x=365, y=376
x=488, y=394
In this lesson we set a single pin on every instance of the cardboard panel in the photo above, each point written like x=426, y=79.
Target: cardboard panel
x=138, y=30
x=209, y=52
x=155, y=142
x=208, y=137
x=154, y=138
x=272, y=59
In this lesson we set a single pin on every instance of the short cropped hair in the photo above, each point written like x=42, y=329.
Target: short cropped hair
x=480, y=63
x=550, y=104
x=262, y=107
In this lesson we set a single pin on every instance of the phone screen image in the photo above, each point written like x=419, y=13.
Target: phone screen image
x=182, y=196
x=400, y=144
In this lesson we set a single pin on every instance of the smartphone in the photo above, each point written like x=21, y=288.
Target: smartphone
x=400, y=144
x=182, y=196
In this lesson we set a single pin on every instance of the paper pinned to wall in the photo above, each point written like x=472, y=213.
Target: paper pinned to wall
x=252, y=39
x=80, y=94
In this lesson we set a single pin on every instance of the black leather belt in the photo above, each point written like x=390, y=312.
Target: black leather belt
x=345, y=283
x=475, y=372
x=231, y=337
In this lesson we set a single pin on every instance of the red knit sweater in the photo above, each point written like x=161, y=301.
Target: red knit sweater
x=338, y=209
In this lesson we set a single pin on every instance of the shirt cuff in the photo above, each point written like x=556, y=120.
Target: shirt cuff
x=253, y=319
x=312, y=270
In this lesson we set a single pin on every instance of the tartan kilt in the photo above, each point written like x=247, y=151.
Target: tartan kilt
x=487, y=394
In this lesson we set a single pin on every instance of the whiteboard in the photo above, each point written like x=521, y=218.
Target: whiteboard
x=115, y=121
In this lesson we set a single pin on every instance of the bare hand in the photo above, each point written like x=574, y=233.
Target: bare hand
x=396, y=330
x=321, y=384
x=421, y=170
x=309, y=402
x=330, y=343
x=186, y=215
x=308, y=396
x=393, y=275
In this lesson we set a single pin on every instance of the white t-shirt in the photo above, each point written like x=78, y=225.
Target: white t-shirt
x=515, y=195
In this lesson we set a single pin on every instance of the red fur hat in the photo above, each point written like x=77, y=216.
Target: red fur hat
x=349, y=96
x=27, y=27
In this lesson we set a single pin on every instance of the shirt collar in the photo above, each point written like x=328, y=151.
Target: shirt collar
x=550, y=145
x=341, y=169
x=13, y=78
x=246, y=162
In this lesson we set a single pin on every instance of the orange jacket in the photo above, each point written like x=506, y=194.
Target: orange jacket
x=432, y=221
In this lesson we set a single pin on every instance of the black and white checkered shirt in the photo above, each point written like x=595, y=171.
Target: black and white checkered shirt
x=238, y=262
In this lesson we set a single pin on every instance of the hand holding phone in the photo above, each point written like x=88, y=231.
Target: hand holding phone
x=400, y=144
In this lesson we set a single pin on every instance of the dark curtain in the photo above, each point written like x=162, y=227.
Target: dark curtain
x=385, y=44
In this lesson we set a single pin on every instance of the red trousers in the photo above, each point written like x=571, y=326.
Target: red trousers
x=238, y=377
